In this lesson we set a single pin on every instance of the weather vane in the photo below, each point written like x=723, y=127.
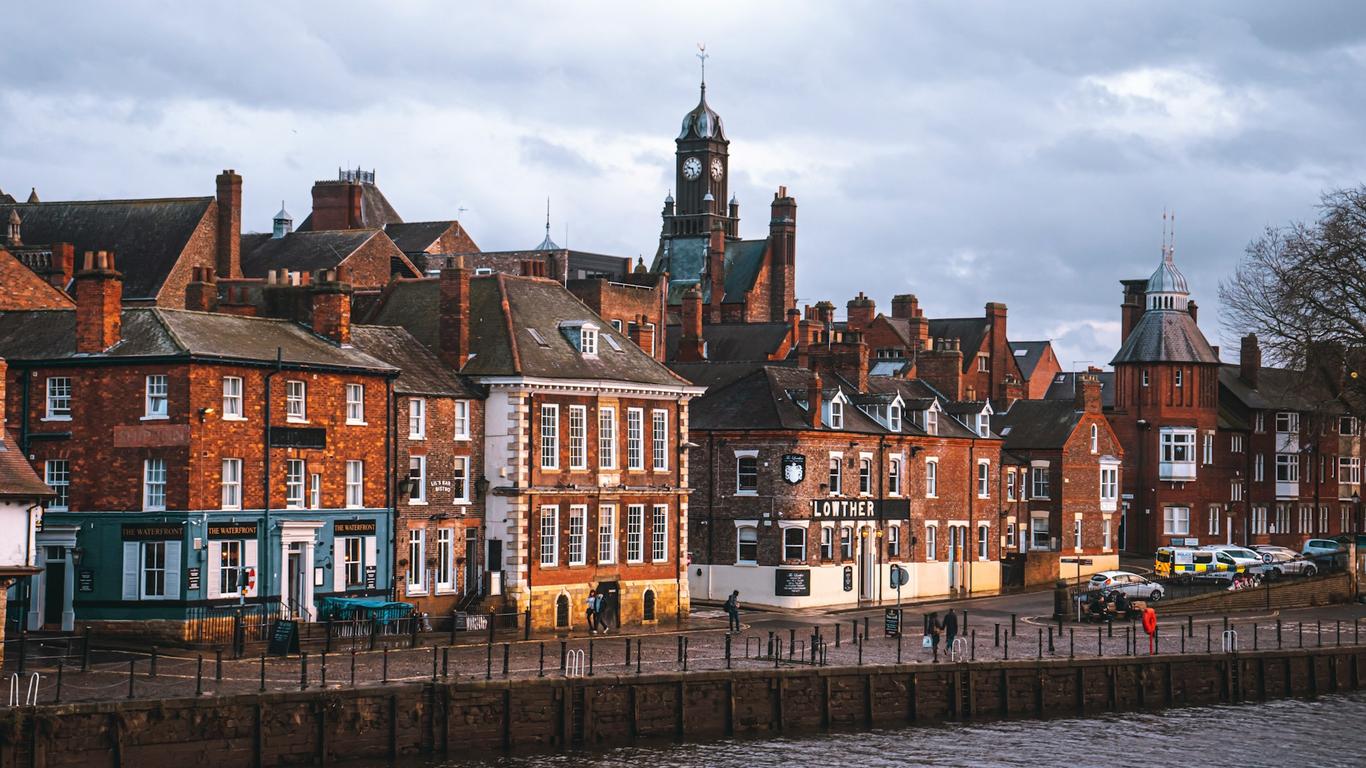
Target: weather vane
x=702, y=57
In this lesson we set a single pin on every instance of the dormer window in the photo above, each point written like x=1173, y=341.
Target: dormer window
x=836, y=414
x=894, y=418
x=583, y=335
x=931, y=421
x=983, y=424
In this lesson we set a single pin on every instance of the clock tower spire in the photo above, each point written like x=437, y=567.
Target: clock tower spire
x=702, y=166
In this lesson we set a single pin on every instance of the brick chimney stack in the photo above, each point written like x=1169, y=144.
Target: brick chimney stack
x=336, y=205
x=794, y=327
x=642, y=334
x=825, y=314
x=99, y=303
x=782, y=234
x=1249, y=360
x=813, y=402
x=453, y=310
x=1088, y=393
x=201, y=294
x=716, y=271
x=691, y=348
x=229, y=244
x=1194, y=310
x=861, y=311
x=905, y=306
x=60, y=270
x=331, y=303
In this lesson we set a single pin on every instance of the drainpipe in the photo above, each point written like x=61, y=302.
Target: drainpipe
x=391, y=498
x=711, y=507
x=263, y=579
x=882, y=498
x=964, y=565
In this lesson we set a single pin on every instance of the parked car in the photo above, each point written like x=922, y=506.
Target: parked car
x=1322, y=548
x=1281, y=563
x=1264, y=548
x=1131, y=584
x=1244, y=560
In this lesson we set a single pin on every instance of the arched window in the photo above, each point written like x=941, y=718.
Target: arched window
x=648, y=607
x=562, y=612
x=747, y=545
x=865, y=476
x=1095, y=438
x=794, y=544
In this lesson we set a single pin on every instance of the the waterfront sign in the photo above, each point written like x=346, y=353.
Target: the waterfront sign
x=860, y=509
x=153, y=531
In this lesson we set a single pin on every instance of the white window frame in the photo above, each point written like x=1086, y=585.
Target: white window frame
x=154, y=485
x=577, y=549
x=444, y=578
x=984, y=478
x=635, y=533
x=1176, y=521
x=1095, y=438
x=1109, y=487
x=315, y=491
x=635, y=439
x=461, y=419
x=549, y=536
x=417, y=418
x=418, y=462
x=296, y=401
x=835, y=473
x=827, y=550
x=799, y=534
x=1287, y=422
x=166, y=569
x=932, y=541
x=740, y=544
x=659, y=534
x=1105, y=534
x=294, y=483
x=355, y=404
x=895, y=464
x=1259, y=467
x=355, y=484
x=58, y=399
x=1010, y=485
x=1213, y=512
x=931, y=421
x=1259, y=421
x=57, y=475
x=836, y=414
x=865, y=474
x=932, y=477
x=1035, y=530
x=1287, y=468
x=234, y=390
x=893, y=541
x=550, y=436
x=1040, y=485
x=578, y=437
x=846, y=543
x=894, y=417
x=607, y=534
x=417, y=561
x=1207, y=449
x=740, y=488
x=607, y=437
x=156, y=400
x=1235, y=443
x=1349, y=470
x=1076, y=534
x=659, y=439
x=230, y=483
x=588, y=340
x=983, y=541
x=460, y=480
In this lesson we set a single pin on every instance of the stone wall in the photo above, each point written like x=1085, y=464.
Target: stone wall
x=1300, y=593
x=472, y=717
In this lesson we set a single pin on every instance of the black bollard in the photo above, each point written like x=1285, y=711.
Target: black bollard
x=637, y=656
x=1254, y=635
x=1318, y=630
x=1071, y=643
x=303, y=671
x=263, y=673
x=152, y=671
x=996, y=642
x=791, y=642
x=564, y=654
x=1183, y=643
x=446, y=660
x=1278, y=634
x=1338, y=625
x=837, y=634
x=685, y=654
x=1007, y=648
x=680, y=646
x=435, y=656
x=488, y=661
x=590, y=659
x=853, y=630
x=540, y=667
x=131, y=662
x=1190, y=625
x=1299, y=632
x=1050, y=641
x=385, y=670
x=526, y=623
x=972, y=652
x=218, y=665
x=322, y=669
x=353, y=667
x=628, y=651
x=60, y=665
x=198, y=676
x=1050, y=638
x=860, y=654
x=898, y=647
x=1012, y=625
x=507, y=650
x=1100, y=643
x=1209, y=642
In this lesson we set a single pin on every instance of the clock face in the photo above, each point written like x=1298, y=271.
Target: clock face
x=716, y=169
x=692, y=168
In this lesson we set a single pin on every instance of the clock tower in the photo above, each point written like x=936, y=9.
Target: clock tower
x=702, y=177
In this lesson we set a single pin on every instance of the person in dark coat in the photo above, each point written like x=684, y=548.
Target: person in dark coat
x=932, y=630
x=950, y=629
x=591, y=614
x=733, y=611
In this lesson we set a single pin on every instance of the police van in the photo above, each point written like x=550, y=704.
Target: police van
x=1196, y=563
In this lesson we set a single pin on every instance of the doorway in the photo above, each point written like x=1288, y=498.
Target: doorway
x=54, y=595
x=472, y=585
x=611, y=593
x=294, y=579
x=867, y=564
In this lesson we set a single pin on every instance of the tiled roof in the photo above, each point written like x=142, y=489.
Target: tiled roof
x=763, y=400
x=685, y=264
x=146, y=236
x=968, y=330
x=1063, y=387
x=504, y=312
x=1165, y=336
x=416, y=236
x=301, y=251
x=421, y=372
x=733, y=341
x=375, y=211
x=1028, y=354
x=22, y=288
x=1278, y=388
x=1036, y=424
x=17, y=478
x=159, y=332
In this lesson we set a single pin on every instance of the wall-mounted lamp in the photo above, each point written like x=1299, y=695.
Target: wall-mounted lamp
x=206, y=412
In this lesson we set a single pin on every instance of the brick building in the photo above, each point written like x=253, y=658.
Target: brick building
x=22, y=496
x=700, y=244
x=1067, y=478
x=189, y=450
x=584, y=440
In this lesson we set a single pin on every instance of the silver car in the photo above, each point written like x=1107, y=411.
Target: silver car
x=1278, y=564
x=1131, y=584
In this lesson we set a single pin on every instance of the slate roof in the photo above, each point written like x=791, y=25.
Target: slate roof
x=158, y=332
x=1028, y=354
x=421, y=372
x=716, y=374
x=918, y=395
x=686, y=260
x=146, y=236
x=1063, y=388
x=17, y=478
x=1036, y=424
x=1278, y=388
x=968, y=330
x=732, y=341
x=375, y=210
x=763, y=400
x=301, y=251
x=416, y=236
x=1165, y=336
x=504, y=309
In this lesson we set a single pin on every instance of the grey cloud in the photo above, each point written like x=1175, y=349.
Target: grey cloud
x=555, y=157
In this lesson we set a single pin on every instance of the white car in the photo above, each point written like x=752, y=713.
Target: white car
x=1131, y=584
x=1228, y=554
x=1283, y=563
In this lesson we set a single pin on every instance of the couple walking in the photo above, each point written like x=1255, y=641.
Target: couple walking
x=934, y=628
x=597, y=611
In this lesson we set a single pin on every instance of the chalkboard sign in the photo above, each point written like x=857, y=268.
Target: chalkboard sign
x=284, y=637
x=848, y=578
x=891, y=622
x=371, y=577
x=790, y=582
x=85, y=580
x=192, y=579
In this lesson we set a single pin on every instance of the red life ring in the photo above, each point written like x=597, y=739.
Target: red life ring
x=1149, y=620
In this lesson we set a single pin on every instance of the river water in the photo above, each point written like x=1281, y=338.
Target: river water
x=1328, y=731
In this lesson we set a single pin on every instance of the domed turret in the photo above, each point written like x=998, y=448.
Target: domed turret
x=1167, y=288
x=702, y=122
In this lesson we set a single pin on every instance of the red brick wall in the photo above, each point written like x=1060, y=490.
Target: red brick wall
x=626, y=304
x=200, y=251
x=1043, y=374
x=369, y=266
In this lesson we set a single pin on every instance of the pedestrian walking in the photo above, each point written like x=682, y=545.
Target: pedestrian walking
x=601, y=608
x=591, y=614
x=950, y=629
x=733, y=611
x=932, y=630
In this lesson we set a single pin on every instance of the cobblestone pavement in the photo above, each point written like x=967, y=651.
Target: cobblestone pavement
x=768, y=640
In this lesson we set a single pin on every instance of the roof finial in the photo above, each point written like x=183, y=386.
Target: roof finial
x=547, y=217
x=702, y=57
x=1171, y=247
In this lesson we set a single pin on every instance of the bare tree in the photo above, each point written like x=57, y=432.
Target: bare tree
x=1302, y=289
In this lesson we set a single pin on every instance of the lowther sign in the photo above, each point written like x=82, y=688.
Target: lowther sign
x=860, y=509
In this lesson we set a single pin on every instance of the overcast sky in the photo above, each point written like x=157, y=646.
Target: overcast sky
x=1016, y=152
